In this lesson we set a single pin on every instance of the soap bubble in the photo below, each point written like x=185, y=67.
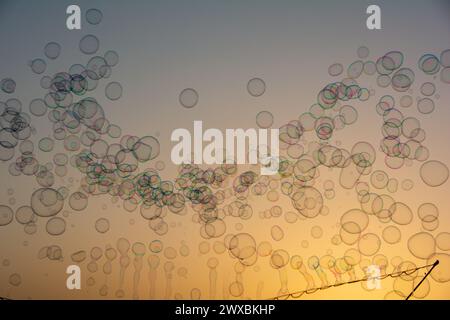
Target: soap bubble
x=188, y=98
x=94, y=16
x=434, y=173
x=256, y=87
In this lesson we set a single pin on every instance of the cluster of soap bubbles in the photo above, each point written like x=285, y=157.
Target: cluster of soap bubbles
x=116, y=164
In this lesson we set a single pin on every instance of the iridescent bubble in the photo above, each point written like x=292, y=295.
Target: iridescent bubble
x=277, y=233
x=138, y=249
x=441, y=273
x=355, y=69
x=188, y=98
x=6, y=215
x=219, y=247
x=15, y=279
x=94, y=16
x=146, y=148
x=362, y=52
x=264, y=119
x=236, y=289
x=264, y=249
x=434, y=173
x=428, y=212
x=402, y=79
x=291, y=217
x=400, y=213
x=102, y=225
x=78, y=256
x=46, y=202
x=379, y=179
x=428, y=89
x=391, y=234
x=349, y=114
x=279, y=259
x=38, y=66
x=30, y=228
x=78, y=201
x=445, y=58
x=335, y=69
x=89, y=44
x=170, y=253
x=56, y=226
x=370, y=68
x=46, y=82
x=196, y=294
x=425, y=105
x=8, y=85
x=443, y=241
x=369, y=244
x=52, y=50
x=38, y=107
x=422, y=245
x=407, y=184
x=46, y=144
x=256, y=87
x=110, y=253
x=316, y=232
x=114, y=131
x=406, y=101
x=24, y=215
x=403, y=287
x=354, y=221
x=242, y=246
x=429, y=64
x=394, y=295
x=111, y=58
x=113, y=91
x=156, y=246
x=308, y=201
x=445, y=75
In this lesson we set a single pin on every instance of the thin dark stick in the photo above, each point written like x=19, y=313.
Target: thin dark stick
x=426, y=275
x=298, y=294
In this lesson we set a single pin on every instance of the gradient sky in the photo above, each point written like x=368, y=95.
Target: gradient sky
x=214, y=47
